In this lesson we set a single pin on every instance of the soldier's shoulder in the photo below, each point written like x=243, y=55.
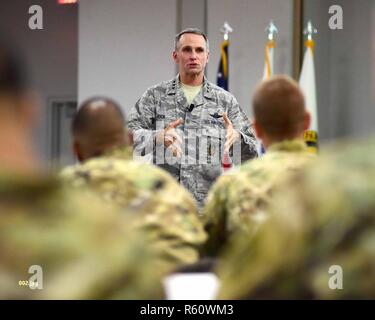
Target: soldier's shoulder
x=159, y=87
x=223, y=185
x=220, y=91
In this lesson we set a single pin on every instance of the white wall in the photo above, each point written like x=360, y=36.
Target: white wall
x=344, y=68
x=51, y=53
x=249, y=18
x=192, y=13
x=125, y=46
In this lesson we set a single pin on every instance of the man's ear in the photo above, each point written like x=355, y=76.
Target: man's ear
x=208, y=56
x=175, y=57
x=77, y=151
x=258, y=129
x=307, y=121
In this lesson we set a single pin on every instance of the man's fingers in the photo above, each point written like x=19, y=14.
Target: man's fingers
x=178, y=138
x=172, y=134
x=174, y=124
x=228, y=144
x=231, y=137
x=227, y=120
x=176, y=150
x=229, y=134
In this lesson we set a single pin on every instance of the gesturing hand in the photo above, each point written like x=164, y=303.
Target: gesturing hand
x=232, y=134
x=170, y=138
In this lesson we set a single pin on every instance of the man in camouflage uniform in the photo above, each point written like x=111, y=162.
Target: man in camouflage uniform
x=181, y=124
x=319, y=240
x=163, y=208
x=238, y=201
x=56, y=243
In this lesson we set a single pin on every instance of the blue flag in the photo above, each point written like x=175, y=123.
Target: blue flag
x=223, y=72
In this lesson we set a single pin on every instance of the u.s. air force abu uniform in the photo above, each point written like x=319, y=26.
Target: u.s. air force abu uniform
x=202, y=131
x=164, y=209
x=239, y=200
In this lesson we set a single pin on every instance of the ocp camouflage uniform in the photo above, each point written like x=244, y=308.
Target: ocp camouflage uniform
x=239, y=200
x=203, y=132
x=85, y=248
x=320, y=234
x=161, y=206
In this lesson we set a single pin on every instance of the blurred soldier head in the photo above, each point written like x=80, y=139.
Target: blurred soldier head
x=18, y=111
x=98, y=127
x=279, y=111
x=191, y=52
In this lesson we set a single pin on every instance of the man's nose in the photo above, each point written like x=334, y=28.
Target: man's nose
x=193, y=55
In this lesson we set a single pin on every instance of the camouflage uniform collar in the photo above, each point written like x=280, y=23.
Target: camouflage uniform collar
x=296, y=145
x=123, y=153
x=175, y=85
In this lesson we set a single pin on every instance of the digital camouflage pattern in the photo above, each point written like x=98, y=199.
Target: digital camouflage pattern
x=160, y=206
x=326, y=219
x=202, y=132
x=239, y=200
x=85, y=248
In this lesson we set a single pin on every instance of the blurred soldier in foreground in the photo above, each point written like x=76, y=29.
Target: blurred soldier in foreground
x=319, y=242
x=163, y=208
x=55, y=243
x=239, y=200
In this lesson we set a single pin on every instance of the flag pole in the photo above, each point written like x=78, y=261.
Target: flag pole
x=226, y=29
x=271, y=44
x=308, y=86
x=223, y=72
x=271, y=31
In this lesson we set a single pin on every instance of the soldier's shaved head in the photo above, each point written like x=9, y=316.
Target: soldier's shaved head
x=279, y=109
x=98, y=127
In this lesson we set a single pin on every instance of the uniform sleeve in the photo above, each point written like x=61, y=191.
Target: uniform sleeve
x=242, y=124
x=215, y=217
x=170, y=218
x=142, y=121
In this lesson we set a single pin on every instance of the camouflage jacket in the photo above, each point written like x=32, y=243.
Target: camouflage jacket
x=63, y=244
x=160, y=205
x=239, y=200
x=318, y=242
x=202, y=132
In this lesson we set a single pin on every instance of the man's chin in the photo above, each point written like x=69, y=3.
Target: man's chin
x=194, y=72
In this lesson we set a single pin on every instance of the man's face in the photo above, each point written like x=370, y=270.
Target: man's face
x=191, y=54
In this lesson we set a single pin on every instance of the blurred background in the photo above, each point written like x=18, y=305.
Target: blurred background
x=119, y=48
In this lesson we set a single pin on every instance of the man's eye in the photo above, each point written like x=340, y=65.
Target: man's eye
x=186, y=49
x=200, y=50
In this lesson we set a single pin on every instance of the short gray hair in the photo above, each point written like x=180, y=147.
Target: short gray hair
x=193, y=31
